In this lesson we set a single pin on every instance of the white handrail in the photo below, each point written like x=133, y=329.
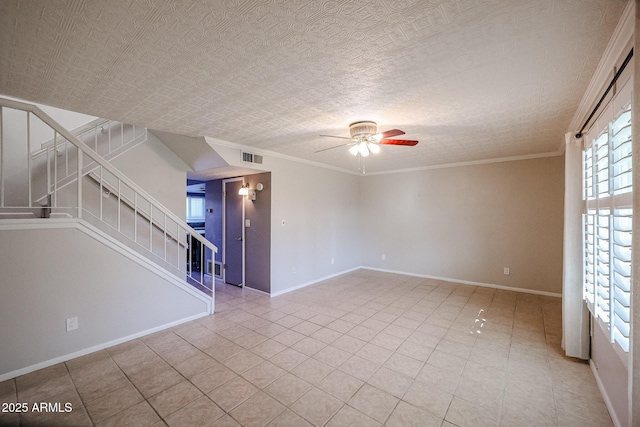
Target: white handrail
x=104, y=164
x=77, y=131
x=168, y=241
x=105, y=126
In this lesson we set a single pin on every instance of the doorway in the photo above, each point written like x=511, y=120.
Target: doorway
x=233, y=232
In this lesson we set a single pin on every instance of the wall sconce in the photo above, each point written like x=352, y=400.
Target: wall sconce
x=246, y=191
x=253, y=193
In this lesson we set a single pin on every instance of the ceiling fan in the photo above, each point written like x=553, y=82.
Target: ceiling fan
x=365, y=139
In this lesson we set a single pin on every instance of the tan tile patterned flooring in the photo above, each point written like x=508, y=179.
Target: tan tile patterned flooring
x=362, y=349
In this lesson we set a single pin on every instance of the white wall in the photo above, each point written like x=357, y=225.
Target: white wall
x=320, y=211
x=70, y=120
x=17, y=142
x=39, y=131
x=159, y=171
x=52, y=274
x=468, y=223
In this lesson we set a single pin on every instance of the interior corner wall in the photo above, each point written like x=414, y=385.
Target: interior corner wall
x=258, y=234
x=159, y=171
x=315, y=219
x=468, y=223
x=70, y=274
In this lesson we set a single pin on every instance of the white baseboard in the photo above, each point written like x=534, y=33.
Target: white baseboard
x=304, y=285
x=468, y=282
x=605, y=396
x=426, y=276
x=83, y=352
x=258, y=291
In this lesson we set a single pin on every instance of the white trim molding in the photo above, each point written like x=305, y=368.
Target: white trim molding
x=426, y=276
x=605, y=396
x=468, y=282
x=85, y=351
x=266, y=153
x=312, y=282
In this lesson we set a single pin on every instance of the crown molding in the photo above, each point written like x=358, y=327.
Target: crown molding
x=472, y=163
x=220, y=142
x=215, y=141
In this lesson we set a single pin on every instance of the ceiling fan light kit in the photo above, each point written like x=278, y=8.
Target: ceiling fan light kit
x=366, y=140
x=363, y=129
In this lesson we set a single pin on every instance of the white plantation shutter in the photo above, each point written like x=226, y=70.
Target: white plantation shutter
x=589, y=260
x=621, y=272
x=602, y=265
x=621, y=167
x=587, y=172
x=601, y=160
x=607, y=218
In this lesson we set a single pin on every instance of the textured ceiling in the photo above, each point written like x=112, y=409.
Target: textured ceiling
x=471, y=79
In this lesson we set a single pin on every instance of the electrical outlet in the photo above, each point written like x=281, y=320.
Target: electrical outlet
x=333, y=260
x=72, y=324
x=384, y=257
x=506, y=271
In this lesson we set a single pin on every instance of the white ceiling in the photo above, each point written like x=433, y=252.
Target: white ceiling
x=471, y=79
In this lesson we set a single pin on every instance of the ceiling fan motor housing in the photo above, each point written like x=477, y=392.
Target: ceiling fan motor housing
x=363, y=129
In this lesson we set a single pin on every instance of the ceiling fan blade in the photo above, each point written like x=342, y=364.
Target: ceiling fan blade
x=391, y=132
x=336, y=146
x=333, y=136
x=409, y=142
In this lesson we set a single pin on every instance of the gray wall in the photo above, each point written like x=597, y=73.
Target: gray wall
x=468, y=223
x=66, y=274
x=213, y=219
x=258, y=235
x=315, y=217
x=158, y=171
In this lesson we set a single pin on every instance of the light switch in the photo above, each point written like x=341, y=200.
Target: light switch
x=247, y=223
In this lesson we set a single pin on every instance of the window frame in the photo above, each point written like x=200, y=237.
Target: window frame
x=607, y=166
x=189, y=216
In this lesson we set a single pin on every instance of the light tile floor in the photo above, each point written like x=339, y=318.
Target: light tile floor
x=362, y=349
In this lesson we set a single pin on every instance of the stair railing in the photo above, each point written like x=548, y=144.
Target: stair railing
x=106, y=137
x=71, y=180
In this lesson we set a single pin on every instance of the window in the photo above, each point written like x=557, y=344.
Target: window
x=607, y=218
x=195, y=208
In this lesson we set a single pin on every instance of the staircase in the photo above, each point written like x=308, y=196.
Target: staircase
x=48, y=173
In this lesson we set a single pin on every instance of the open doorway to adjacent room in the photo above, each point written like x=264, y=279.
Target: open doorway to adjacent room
x=238, y=225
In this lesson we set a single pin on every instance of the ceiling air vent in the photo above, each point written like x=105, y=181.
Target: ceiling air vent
x=251, y=158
